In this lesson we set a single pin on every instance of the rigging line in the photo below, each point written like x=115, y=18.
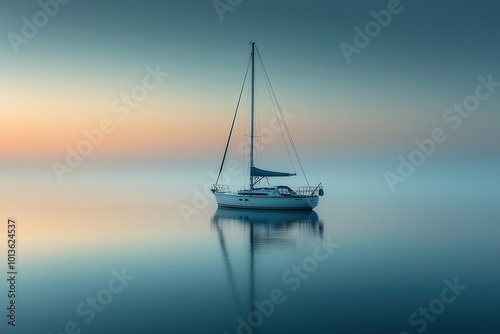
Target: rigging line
x=247, y=108
x=286, y=128
x=232, y=124
x=276, y=106
x=246, y=133
x=257, y=141
x=258, y=117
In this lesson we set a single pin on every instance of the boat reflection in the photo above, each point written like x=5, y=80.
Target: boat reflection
x=293, y=222
x=267, y=230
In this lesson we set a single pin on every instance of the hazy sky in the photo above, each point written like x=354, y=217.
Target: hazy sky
x=71, y=73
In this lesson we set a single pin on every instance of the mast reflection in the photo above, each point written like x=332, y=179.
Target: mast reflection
x=265, y=229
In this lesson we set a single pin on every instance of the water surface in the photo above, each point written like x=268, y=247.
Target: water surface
x=207, y=274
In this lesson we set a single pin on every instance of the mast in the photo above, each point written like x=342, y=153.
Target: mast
x=252, y=133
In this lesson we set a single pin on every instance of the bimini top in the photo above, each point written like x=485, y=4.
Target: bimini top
x=254, y=171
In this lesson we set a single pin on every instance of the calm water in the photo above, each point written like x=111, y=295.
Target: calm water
x=109, y=251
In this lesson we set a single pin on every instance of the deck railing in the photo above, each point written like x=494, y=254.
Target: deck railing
x=310, y=191
x=222, y=189
x=301, y=191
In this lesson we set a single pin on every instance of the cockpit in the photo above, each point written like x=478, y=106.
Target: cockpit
x=285, y=191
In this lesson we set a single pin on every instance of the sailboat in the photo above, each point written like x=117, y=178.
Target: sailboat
x=257, y=195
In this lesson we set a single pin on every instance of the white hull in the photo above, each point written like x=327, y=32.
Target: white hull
x=260, y=202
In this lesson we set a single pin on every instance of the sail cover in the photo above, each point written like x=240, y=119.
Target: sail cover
x=254, y=171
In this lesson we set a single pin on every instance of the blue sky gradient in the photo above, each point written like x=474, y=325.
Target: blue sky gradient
x=392, y=92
